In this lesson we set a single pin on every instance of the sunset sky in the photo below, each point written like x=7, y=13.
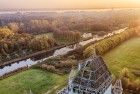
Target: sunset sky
x=69, y=3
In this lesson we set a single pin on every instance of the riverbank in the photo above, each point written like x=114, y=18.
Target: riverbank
x=43, y=55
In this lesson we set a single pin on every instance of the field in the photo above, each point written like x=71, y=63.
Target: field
x=127, y=55
x=37, y=81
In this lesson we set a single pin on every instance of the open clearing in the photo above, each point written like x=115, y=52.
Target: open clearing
x=127, y=55
x=37, y=81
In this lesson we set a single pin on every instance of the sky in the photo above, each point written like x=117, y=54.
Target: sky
x=84, y=4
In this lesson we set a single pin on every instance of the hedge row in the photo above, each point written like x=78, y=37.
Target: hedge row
x=109, y=43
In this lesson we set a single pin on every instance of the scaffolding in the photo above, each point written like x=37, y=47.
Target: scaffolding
x=92, y=78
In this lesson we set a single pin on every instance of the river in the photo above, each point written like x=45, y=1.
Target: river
x=29, y=62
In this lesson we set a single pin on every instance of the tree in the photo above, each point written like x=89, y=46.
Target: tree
x=14, y=27
x=5, y=32
x=42, y=43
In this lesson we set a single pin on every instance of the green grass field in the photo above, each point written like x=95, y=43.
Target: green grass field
x=37, y=81
x=127, y=55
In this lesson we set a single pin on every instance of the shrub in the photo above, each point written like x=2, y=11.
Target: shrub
x=48, y=67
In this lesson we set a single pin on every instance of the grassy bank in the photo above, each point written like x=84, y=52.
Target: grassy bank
x=126, y=55
x=37, y=81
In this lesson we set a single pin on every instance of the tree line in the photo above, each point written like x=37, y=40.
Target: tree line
x=67, y=36
x=13, y=44
x=109, y=43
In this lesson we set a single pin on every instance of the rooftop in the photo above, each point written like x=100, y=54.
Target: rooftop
x=93, y=76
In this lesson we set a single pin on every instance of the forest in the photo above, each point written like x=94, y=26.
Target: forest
x=23, y=34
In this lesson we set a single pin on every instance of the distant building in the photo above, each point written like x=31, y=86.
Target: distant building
x=87, y=35
x=92, y=77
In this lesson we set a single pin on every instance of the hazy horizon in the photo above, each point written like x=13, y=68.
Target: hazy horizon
x=68, y=4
